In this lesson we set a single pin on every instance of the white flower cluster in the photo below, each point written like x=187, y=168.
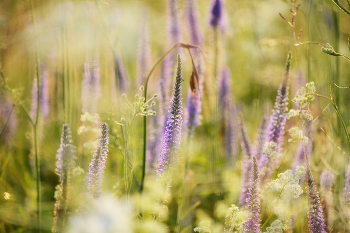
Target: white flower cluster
x=297, y=135
x=270, y=149
x=103, y=215
x=204, y=227
x=141, y=107
x=276, y=227
x=235, y=219
x=286, y=186
x=305, y=95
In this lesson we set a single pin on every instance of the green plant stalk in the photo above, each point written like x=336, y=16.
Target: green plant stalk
x=7, y=121
x=35, y=125
x=338, y=4
x=337, y=110
x=186, y=46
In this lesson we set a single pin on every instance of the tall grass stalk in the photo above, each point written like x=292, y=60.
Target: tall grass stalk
x=174, y=46
x=36, y=122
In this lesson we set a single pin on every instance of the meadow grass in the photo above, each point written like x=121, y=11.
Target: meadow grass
x=174, y=116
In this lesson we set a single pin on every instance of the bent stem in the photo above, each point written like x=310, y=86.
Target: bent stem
x=176, y=45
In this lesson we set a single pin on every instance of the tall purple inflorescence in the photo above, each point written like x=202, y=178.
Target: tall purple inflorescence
x=44, y=94
x=98, y=164
x=260, y=138
x=246, y=166
x=194, y=103
x=253, y=202
x=143, y=53
x=225, y=96
x=122, y=79
x=278, y=118
x=90, y=86
x=65, y=160
x=172, y=134
x=216, y=13
x=315, y=213
x=347, y=185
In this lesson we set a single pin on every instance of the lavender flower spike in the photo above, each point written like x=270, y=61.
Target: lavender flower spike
x=253, y=202
x=193, y=26
x=278, y=118
x=172, y=134
x=216, y=13
x=315, y=214
x=122, y=79
x=65, y=160
x=347, y=185
x=98, y=164
x=90, y=92
x=246, y=167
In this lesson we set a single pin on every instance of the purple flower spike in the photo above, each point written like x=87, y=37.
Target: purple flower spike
x=315, y=213
x=246, y=167
x=143, y=53
x=260, y=138
x=122, y=79
x=216, y=13
x=65, y=160
x=174, y=21
x=253, y=201
x=90, y=86
x=231, y=138
x=224, y=93
x=98, y=164
x=172, y=134
x=193, y=26
x=44, y=94
x=347, y=185
x=278, y=118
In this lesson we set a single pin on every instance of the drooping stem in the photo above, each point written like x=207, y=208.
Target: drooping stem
x=186, y=46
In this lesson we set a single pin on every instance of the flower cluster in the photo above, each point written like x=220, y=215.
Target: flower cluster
x=141, y=107
x=297, y=135
x=305, y=95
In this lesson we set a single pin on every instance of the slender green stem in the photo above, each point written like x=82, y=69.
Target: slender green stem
x=35, y=125
x=7, y=121
x=186, y=46
x=336, y=2
x=337, y=110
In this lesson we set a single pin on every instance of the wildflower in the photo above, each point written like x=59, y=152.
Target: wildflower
x=105, y=214
x=253, y=201
x=276, y=227
x=260, y=138
x=203, y=228
x=305, y=95
x=304, y=149
x=65, y=162
x=278, y=117
x=216, y=13
x=193, y=25
x=327, y=181
x=246, y=167
x=347, y=185
x=315, y=213
x=143, y=52
x=98, y=164
x=172, y=134
x=44, y=94
x=297, y=135
x=230, y=134
x=224, y=99
x=90, y=86
x=235, y=219
x=122, y=79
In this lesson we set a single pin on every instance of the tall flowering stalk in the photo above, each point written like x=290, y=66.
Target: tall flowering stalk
x=277, y=119
x=246, y=166
x=253, y=201
x=346, y=193
x=65, y=160
x=44, y=94
x=122, y=78
x=172, y=134
x=315, y=213
x=98, y=164
x=90, y=86
x=143, y=52
x=194, y=103
x=260, y=138
x=216, y=13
